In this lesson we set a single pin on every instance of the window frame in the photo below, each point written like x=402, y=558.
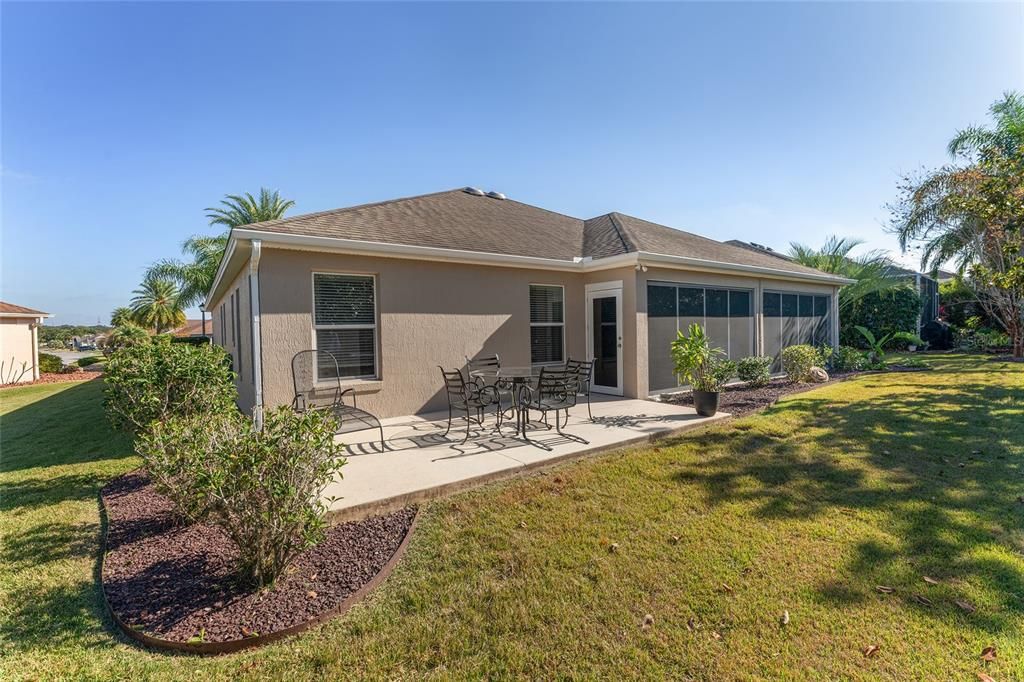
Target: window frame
x=545, y=324
x=314, y=327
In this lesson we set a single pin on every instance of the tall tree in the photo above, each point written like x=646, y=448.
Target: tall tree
x=872, y=270
x=120, y=316
x=243, y=209
x=156, y=305
x=971, y=212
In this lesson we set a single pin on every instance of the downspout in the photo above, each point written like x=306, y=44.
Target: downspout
x=257, y=346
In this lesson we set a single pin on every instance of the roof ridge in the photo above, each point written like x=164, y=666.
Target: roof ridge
x=621, y=231
x=346, y=209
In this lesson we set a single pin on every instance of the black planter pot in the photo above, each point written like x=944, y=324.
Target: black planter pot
x=705, y=402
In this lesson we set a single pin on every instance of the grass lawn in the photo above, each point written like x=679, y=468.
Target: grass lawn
x=804, y=508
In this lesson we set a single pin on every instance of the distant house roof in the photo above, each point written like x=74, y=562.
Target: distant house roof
x=192, y=328
x=12, y=310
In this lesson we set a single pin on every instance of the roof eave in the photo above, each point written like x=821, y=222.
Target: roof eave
x=774, y=273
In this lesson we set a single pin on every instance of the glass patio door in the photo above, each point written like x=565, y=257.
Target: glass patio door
x=604, y=339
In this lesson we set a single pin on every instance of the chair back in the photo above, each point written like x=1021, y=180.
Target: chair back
x=315, y=379
x=558, y=384
x=454, y=385
x=491, y=362
x=584, y=368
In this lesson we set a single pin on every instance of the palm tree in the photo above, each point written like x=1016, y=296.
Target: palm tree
x=120, y=316
x=872, y=270
x=194, y=277
x=156, y=305
x=1006, y=138
x=244, y=209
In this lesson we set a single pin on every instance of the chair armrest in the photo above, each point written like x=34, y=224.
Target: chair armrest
x=341, y=396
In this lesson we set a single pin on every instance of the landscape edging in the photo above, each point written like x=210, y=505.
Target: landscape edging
x=231, y=646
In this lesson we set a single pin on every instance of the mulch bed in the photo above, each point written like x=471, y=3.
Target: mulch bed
x=177, y=582
x=739, y=400
x=56, y=378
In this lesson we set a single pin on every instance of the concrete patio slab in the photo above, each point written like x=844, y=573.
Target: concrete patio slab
x=421, y=463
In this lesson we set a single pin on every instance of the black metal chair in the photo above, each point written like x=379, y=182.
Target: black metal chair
x=557, y=390
x=585, y=370
x=317, y=383
x=469, y=397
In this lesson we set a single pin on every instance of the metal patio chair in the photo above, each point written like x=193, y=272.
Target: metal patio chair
x=557, y=390
x=469, y=397
x=585, y=370
x=317, y=383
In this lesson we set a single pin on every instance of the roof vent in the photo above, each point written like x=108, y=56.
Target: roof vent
x=474, y=191
x=496, y=195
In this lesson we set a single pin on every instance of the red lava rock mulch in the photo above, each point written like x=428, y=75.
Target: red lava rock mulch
x=57, y=378
x=741, y=400
x=177, y=581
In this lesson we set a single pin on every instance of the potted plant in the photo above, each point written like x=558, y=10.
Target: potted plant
x=704, y=368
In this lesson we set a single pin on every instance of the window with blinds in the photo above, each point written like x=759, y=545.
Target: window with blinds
x=345, y=323
x=547, y=324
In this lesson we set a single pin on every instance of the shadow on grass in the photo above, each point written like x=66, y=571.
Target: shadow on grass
x=66, y=427
x=50, y=542
x=941, y=464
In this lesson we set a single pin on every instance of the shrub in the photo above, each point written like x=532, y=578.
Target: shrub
x=755, y=370
x=182, y=454
x=152, y=381
x=91, y=360
x=698, y=364
x=981, y=340
x=70, y=369
x=849, y=359
x=50, y=364
x=266, y=487
x=883, y=312
x=797, y=361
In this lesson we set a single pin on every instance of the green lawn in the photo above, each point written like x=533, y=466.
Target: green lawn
x=804, y=508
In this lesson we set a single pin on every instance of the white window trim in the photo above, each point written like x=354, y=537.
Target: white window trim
x=547, y=324
x=314, y=327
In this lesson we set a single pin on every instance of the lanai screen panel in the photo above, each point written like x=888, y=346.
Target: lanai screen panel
x=791, y=319
x=726, y=315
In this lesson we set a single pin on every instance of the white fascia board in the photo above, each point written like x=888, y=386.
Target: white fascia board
x=28, y=316
x=661, y=259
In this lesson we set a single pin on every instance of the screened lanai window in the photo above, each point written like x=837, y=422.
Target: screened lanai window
x=547, y=324
x=345, y=323
x=793, y=319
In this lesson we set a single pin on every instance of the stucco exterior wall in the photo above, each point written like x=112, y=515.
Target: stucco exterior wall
x=17, y=346
x=237, y=339
x=429, y=314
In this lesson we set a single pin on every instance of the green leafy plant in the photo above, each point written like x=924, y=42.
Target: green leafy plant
x=797, y=361
x=182, y=454
x=125, y=335
x=849, y=359
x=755, y=370
x=698, y=364
x=50, y=364
x=266, y=487
x=153, y=381
x=877, y=345
x=91, y=360
x=888, y=311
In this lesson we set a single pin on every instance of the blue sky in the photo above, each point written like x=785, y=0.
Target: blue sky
x=766, y=122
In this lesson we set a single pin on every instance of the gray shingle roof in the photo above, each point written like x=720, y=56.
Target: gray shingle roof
x=457, y=220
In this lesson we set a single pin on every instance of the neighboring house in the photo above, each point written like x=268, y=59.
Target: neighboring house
x=192, y=329
x=19, y=340
x=396, y=288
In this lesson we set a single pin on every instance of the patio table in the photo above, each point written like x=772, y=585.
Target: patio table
x=522, y=392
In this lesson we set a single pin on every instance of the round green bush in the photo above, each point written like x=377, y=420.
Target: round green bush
x=755, y=370
x=849, y=359
x=50, y=364
x=91, y=360
x=797, y=361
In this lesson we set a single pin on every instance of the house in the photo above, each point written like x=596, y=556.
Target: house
x=19, y=342
x=396, y=288
x=192, y=329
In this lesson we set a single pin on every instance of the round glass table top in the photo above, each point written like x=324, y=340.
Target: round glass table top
x=506, y=372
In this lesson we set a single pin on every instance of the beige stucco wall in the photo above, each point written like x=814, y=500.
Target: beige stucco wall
x=240, y=345
x=429, y=314
x=17, y=346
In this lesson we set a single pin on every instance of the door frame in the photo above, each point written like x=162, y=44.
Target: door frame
x=604, y=290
